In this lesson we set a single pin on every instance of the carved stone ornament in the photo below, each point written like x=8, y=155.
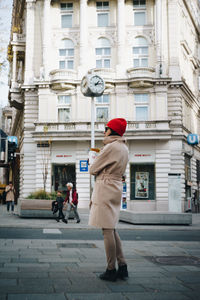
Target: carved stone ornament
x=62, y=86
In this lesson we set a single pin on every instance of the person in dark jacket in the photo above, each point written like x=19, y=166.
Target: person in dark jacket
x=72, y=202
x=60, y=202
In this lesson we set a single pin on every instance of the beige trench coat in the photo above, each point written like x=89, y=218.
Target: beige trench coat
x=10, y=193
x=109, y=167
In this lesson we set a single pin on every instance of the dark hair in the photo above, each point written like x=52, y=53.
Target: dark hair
x=10, y=182
x=113, y=132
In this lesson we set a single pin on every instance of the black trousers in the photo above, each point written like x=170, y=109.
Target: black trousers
x=60, y=215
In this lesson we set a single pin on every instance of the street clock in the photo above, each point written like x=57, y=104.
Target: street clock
x=92, y=85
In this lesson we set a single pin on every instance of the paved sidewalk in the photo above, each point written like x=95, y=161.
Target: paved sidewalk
x=13, y=220
x=39, y=269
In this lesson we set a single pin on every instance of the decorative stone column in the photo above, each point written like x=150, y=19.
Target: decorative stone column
x=173, y=40
x=14, y=65
x=158, y=33
x=83, y=33
x=46, y=40
x=30, y=32
x=120, y=33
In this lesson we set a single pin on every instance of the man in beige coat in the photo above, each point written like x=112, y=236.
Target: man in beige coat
x=10, y=196
x=109, y=167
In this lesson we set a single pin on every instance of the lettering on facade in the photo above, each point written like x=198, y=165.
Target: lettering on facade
x=142, y=155
x=63, y=155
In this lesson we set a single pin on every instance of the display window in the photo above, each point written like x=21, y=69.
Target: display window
x=142, y=182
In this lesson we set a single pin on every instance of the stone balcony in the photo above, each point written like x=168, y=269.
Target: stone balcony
x=141, y=77
x=82, y=130
x=15, y=96
x=19, y=39
x=63, y=79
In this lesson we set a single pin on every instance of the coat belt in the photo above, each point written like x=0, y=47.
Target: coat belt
x=109, y=176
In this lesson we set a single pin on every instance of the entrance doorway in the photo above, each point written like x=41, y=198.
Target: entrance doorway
x=61, y=175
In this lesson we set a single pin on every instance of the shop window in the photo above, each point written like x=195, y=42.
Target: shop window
x=140, y=52
x=187, y=167
x=103, y=53
x=141, y=102
x=61, y=175
x=66, y=54
x=102, y=108
x=64, y=108
x=66, y=10
x=102, y=13
x=142, y=182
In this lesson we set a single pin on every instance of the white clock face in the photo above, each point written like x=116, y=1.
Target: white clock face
x=96, y=84
x=84, y=85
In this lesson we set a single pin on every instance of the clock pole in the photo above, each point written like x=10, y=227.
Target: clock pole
x=92, y=123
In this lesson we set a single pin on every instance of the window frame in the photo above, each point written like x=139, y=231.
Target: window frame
x=103, y=57
x=140, y=56
x=140, y=104
x=102, y=104
x=66, y=58
x=68, y=12
x=64, y=106
x=103, y=11
x=139, y=9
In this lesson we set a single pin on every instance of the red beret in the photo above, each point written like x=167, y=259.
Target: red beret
x=118, y=125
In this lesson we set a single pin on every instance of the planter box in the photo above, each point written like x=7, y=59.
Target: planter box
x=37, y=208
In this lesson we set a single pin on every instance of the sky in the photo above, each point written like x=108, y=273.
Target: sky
x=5, y=26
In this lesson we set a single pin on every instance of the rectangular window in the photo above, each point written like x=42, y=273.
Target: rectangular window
x=141, y=107
x=70, y=64
x=101, y=114
x=98, y=63
x=102, y=5
x=63, y=114
x=102, y=13
x=139, y=18
x=139, y=3
x=66, y=21
x=141, y=98
x=102, y=108
x=64, y=99
x=61, y=64
x=141, y=113
x=142, y=182
x=102, y=19
x=66, y=6
x=103, y=99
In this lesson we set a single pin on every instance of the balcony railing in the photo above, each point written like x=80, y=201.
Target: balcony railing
x=141, y=72
x=62, y=75
x=85, y=127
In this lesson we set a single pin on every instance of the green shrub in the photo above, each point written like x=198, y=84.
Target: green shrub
x=41, y=194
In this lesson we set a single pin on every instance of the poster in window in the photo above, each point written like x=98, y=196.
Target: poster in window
x=142, y=185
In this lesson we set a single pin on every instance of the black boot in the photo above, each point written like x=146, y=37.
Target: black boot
x=64, y=221
x=122, y=272
x=110, y=275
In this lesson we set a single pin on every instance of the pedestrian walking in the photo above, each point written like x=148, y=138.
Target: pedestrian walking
x=109, y=167
x=59, y=201
x=72, y=202
x=10, y=196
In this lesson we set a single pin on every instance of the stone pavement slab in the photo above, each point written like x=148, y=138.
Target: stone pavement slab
x=61, y=280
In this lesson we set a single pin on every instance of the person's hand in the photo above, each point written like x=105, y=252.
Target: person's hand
x=90, y=204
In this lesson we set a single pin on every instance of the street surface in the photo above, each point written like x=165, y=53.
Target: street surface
x=42, y=259
x=93, y=234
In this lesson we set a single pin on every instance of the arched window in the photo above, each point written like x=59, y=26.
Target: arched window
x=103, y=53
x=140, y=52
x=66, y=54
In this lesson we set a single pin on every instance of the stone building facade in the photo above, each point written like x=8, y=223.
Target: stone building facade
x=148, y=54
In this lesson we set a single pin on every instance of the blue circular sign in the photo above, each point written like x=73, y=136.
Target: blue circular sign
x=193, y=139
